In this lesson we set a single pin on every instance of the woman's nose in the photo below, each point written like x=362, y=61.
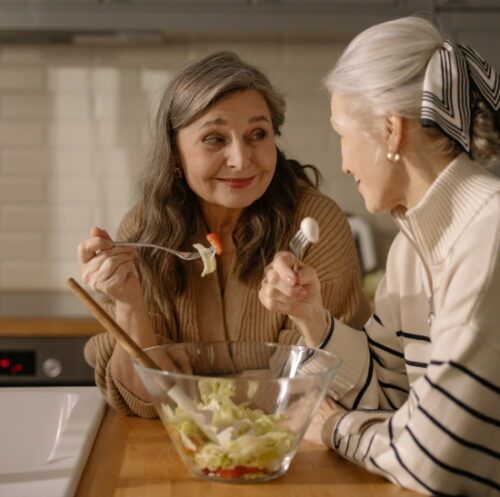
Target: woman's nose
x=238, y=155
x=345, y=169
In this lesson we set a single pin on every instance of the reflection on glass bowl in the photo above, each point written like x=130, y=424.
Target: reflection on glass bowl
x=256, y=398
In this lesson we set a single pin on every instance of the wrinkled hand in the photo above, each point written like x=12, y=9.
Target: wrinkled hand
x=295, y=293
x=321, y=428
x=107, y=269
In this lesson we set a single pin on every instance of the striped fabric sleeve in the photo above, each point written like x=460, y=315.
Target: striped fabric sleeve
x=444, y=439
x=372, y=374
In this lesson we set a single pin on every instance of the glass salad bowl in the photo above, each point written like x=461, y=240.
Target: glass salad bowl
x=237, y=411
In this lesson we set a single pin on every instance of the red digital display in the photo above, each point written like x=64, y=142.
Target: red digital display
x=17, y=363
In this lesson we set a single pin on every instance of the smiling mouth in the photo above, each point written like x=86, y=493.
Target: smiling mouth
x=237, y=182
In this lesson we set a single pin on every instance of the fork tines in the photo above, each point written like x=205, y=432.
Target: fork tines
x=298, y=244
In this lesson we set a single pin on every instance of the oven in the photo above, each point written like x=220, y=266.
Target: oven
x=44, y=361
x=42, y=337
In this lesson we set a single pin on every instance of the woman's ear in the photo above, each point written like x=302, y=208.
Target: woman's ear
x=393, y=135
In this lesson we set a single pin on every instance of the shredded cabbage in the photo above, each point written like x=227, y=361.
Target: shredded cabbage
x=207, y=257
x=248, y=439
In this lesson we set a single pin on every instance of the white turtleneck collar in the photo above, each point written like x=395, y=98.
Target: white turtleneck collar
x=447, y=207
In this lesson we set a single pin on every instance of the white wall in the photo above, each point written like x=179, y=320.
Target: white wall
x=74, y=129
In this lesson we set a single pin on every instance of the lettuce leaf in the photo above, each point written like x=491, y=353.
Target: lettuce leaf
x=247, y=437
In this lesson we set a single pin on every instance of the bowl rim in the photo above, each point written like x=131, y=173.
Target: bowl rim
x=330, y=371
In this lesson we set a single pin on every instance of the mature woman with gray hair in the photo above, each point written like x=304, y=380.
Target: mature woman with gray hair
x=214, y=167
x=417, y=398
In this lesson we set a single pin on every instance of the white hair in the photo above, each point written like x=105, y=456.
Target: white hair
x=384, y=66
x=383, y=70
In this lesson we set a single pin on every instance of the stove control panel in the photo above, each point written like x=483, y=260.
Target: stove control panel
x=37, y=361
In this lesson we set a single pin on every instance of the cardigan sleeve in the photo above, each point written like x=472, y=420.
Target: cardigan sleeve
x=99, y=349
x=373, y=370
x=443, y=439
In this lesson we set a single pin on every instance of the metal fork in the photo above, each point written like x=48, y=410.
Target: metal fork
x=187, y=256
x=299, y=243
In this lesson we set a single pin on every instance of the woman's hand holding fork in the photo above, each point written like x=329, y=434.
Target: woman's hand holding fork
x=296, y=293
x=108, y=269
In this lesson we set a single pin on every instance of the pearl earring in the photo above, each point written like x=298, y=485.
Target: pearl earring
x=393, y=156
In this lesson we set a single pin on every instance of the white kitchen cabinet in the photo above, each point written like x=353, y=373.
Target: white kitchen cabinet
x=468, y=4
x=312, y=19
x=478, y=27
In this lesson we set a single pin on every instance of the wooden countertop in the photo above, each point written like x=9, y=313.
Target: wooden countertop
x=134, y=457
x=48, y=327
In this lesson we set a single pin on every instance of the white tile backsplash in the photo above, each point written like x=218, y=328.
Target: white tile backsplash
x=61, y=161
x=24, y=247
x=21, y=133
x=43, y=106
x=74, y=129
x=37, y=275
x=41, y=218
x=22, y=190
x=21, y=78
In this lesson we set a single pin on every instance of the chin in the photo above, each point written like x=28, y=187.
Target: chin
x=237, y=203
x=374, y=208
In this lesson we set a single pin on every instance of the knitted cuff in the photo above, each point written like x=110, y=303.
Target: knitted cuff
x=329, y=331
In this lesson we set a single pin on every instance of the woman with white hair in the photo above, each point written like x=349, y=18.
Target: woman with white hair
x=417, y=396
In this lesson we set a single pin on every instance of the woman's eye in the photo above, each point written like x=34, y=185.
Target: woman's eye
x=258, y=135
x=213, y=140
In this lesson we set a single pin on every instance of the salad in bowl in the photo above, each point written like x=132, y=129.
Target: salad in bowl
x=257, y=398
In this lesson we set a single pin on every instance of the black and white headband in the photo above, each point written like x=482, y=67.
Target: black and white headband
x=446, y=93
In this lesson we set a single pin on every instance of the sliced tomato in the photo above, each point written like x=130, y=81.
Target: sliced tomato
x=233, y=473
x=215, y=242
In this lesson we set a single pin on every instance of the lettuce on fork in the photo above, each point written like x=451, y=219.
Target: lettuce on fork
x=208, y=253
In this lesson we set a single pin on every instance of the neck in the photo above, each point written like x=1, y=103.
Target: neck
x=222, y=221
x=421, y=171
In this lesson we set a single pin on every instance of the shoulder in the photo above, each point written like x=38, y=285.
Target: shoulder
x=472, y=277
x=480, y=238
x=476, y=253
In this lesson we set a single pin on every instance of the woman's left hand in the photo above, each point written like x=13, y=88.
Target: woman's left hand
x=322, y=425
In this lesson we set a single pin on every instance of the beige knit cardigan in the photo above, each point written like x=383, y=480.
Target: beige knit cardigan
x=205, y=313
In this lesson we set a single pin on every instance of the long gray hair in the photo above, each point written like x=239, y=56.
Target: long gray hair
x=168, y=211
x=384, y=68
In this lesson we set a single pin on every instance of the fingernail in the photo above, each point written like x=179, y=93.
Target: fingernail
x=290, y=279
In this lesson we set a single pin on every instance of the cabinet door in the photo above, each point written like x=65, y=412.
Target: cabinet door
x=467, y=4
x=479, y=29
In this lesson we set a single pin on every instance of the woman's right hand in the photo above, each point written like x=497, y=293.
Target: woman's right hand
x=296, y=293
x=108, y=269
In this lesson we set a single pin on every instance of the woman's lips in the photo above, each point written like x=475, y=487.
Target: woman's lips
x=237, y=182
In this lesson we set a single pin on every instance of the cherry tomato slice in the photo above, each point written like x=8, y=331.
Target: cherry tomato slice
x=215, y=242
x=233, y=473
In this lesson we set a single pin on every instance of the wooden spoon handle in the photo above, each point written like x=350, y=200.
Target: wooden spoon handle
x=136, y=352
x=112, y=326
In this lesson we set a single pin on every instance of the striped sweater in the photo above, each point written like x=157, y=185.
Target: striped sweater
x=423, y=399
x=204, y=313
